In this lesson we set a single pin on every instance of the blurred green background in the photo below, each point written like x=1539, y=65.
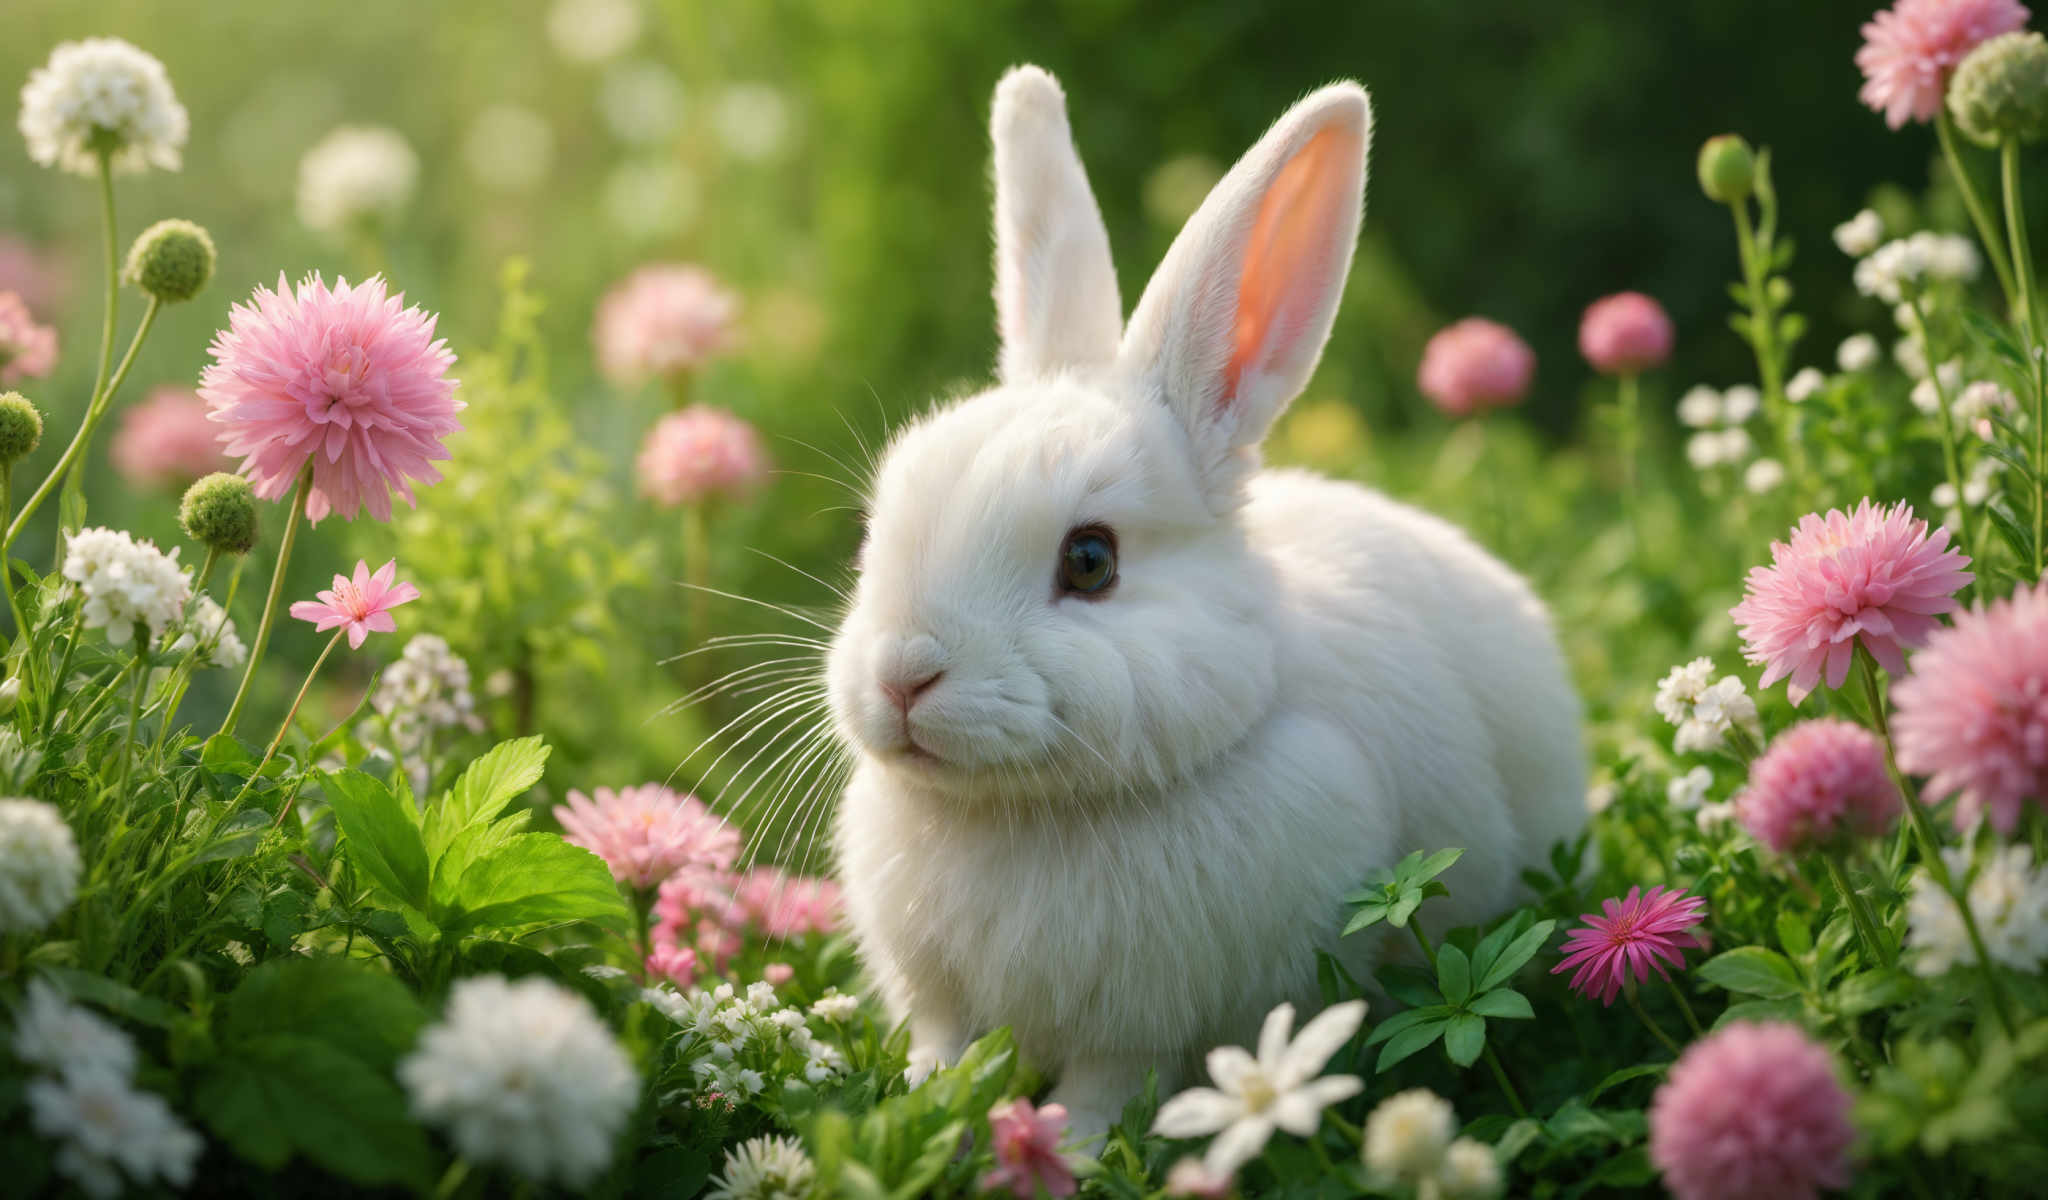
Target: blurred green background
x=828, y=160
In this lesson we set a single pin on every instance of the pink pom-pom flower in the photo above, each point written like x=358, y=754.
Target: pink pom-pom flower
x=648, y=833
x=1475, y=364
x=1025, y=1141
x=26, y=348
x=661, y=320
x=785, y=906
x=1637, y=932
x=1874, y=578
x=167, y=441
x=1973, y=715
x=698, y=453
x=346, y=379
x=1625, y=334
x=1910, y=49
x=1819, y=781
x=363, y=603
x=1752, y=1112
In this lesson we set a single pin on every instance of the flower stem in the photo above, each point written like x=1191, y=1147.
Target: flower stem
x=2030, y=322
x=1692, y=1021
x=1980, y=215
x=1763, y=336
x=1859, y=912
x=284, y=557
x=56, y=696
x=1507, y=1087
x=141, y=668
x=1949, y=455
x=7, y=568
x=1628, y=401
x=1657, y=1031
x=293, y=713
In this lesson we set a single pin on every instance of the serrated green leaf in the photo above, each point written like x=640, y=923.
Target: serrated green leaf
x=381, y=839
x=1453, y=974
x=1788, y=1009
x=1753, y=971
x=486, y=786
x=1506, y=1003
x=1517, y=953
x=469, y=845
x=536, y=878
x=281, y=1095
x=1465, y=1038
x=348, y=1004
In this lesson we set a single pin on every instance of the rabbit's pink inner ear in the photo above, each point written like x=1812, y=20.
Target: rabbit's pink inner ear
x=1296, y=248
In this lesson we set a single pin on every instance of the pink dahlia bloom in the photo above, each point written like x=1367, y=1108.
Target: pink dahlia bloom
x=26, y=348
x=1752, y=1112
x=697, y=453
x=786, y=906
x=346, y=379
x=363, y=603
x=646, y=834
x=1910, y=49
x=671, y=962
x=1973, y=715
x=1818, y=781
x=167, y=441
x=1639, y=931
x=1874, y=577
x=661, y=320
x=1625, y=333
x=1475, y=364
x=1026, y=1141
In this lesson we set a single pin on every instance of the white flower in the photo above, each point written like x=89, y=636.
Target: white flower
x=217, y=642
x=2008, y=897
x=1682, y=687
x=1943, y=495
x=1700, y=407
x=1949, y=376
x=642, y=103
x=356, y=175
x=125, y=583
x=1279, y=1088
x=1713, y=816
x=1860, y=234
x=1470, y=1171
x=102, y=92
x=1689, y=791
x=39, y=865
x=1977, y=402
x=835, y=1006
x=1720, y=708
x=1407, y=1135
x=1600, y=797
x=652, y=199
x=761, y=997
x=1894, y=268
x=1718, y=447
x=105, y=1123
x=510, y=148
x=589, y=31
x=1952, y=256
x=523, y=1073
x=752, y=120
x=426, y=692
x=57, y=1035
x=1763, y=475
x=1805, y=385
x=764, y=1168
x=1739, y=403
x=1858, y=352
x=1190, y=1178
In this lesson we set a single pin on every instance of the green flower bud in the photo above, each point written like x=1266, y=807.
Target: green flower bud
x=172, y=260
x=220, y=512
x=21, y=428
x=1727, y=169
x=2000, y=90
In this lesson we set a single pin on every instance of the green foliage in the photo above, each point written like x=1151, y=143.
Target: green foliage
x=908, y=1145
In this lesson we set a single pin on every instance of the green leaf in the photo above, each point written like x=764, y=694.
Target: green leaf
x=1787, y=1009
x=1408, y=1041
x=1794, y=934
x=284, y=1094
x=1464, y=1038
x=1453, y=974
x=347, y=1004
x=469, y=845
x=1412, y=872
x=2021, y=541
x=1405, y=1020
x=1993, y=335
x=1409, y=984
x=1502, y=1002
x=536, y=878
x=1404, y=908
x=1369, y=913
x=488, y=784
x=116, y=998
x=1753, y=971
x=676, y=1173
x=1871, y=991
x=1517, y=953
x=1518, y=1137
x=1617, y=1078
x=381, y=838
x=224, y=755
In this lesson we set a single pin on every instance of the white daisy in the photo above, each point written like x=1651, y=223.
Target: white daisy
x=1277, y=1089
x=104, y=1123
x=764, y=1168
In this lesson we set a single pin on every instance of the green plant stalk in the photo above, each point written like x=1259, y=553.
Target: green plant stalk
x=291, y=715
x=1859, y=911
x=1930, y=846
x=2030, y=314
x=1656, y=1030
x=1692, y=1021
x=1763, y=337
x=1980, y=215
x=174, y=688
x=696, y=552
x=1628, y=403
x=141, y=668
x=284, y=558
x=56, y=696
x=1500, y=1073
x=1951, y=458
x=7, y=577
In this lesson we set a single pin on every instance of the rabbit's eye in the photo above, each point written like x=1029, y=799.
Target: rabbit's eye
x=1088, y=561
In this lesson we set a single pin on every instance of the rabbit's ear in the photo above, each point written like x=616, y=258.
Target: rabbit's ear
x=1056, y=299
x=1235, y=318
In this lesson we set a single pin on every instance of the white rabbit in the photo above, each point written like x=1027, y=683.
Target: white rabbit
x=1130, y=714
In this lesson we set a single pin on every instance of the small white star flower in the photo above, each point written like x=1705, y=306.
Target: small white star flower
x=1278, y=1089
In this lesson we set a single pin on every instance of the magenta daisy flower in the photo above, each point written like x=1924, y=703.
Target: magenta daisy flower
x=1874, y=577
x=1910, y=49
x=1639, y=931
x=1625, y=333
x=646, y=834
x=346, y=379
x=1818, y=781
x=1475, y=364
x=1973, y=715
x=363, y=603
x=1752, y=1112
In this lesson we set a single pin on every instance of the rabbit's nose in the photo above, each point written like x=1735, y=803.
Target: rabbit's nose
x=907, y=667
x=905, y=692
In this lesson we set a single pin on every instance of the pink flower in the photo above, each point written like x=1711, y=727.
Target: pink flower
x=166, y=441
x=646, y=834
x=26, y=348
x=1909, y=50
x=1026, y=1145
x=1819, y=781
x=661, y=320
x=1475, y=364
x=1752, y=1112
x=778, y=974
x=1640, y=931
x=674, y=963
x=699, y=452
x=1873, y=577
x=344, y=379
x=38, y=277
x=1192, y=1177
x=363, y=604
x=786, y=906
x=1625, y=333
x=1973, y=715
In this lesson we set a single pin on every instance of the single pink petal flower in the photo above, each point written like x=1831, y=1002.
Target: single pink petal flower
x=1026, y=1145
x=1874, y=577
x=346, y=379
x=1819, y=781
x=1638, y=932
x=699, y=452
x=663, y=319
x=1625, y=334
x=1910, y=49
x=26, y=348
x=1973, y=715
x=648, y=833
x=167, y=441
x=1475, y=364
x=1752, y=1112
x=362, y=603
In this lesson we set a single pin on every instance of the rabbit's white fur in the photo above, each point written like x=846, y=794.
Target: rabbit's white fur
x=1122, y=825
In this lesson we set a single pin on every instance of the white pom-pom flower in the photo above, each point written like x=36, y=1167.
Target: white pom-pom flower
x=125, y=583
x=108, y=1128
x=1407, y=1135
x=39, y=865
x=211, y=632
x=356, y=175
x=97, y=96
x=57, y=1035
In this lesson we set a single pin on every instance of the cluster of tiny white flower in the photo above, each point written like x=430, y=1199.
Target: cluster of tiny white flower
x=356, y=175
x=1895, y=268
x=749, y=1037
x=211, y=632
x=425, y=692
x=1688, y=791
x=1975, y=405
x=1860, y=234
x=39, y=865
x=87, y=1099
x=1948, y=377
x=1805, y=384
x=1978, y=485
x=97, y=96
x=125, y=583
x=1858, y=352
x=1703, y=710
x=1719, y=416
x=2009, y=899
x=764, y=1168
x=1410, y=1142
